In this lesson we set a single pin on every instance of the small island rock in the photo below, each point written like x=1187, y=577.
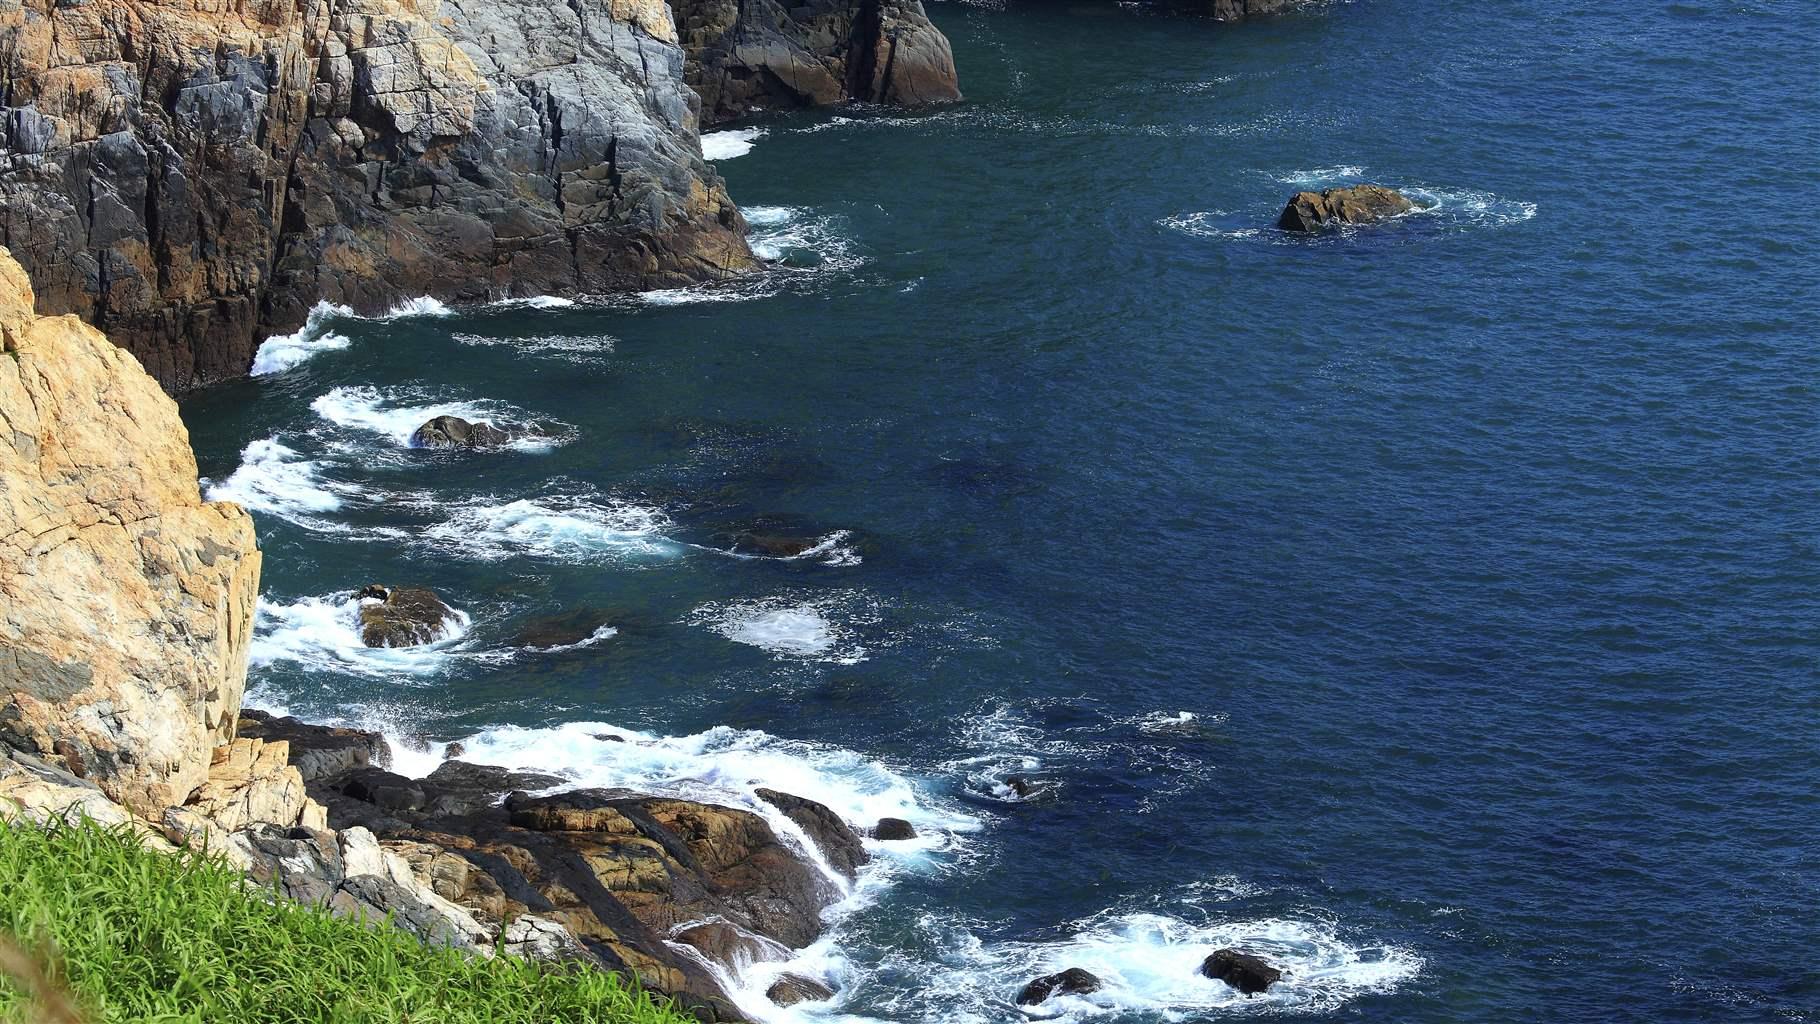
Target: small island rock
x=892, y=829
x=401, y=616
x=1249, y=974
x=455, y=432
x=1072, y=982
x=791, y=989
x=1358, y=204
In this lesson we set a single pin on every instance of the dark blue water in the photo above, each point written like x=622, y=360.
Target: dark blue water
x=1435, y=608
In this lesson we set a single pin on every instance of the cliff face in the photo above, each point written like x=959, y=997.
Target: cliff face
x=191, y=176
x=126, y=602
x=751, y=55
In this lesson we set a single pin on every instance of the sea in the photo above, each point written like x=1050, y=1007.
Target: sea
x=1431, y=608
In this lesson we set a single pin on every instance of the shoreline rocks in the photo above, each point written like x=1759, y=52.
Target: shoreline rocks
x=455, y=432
x=1074, y=981
x=1356, y=204
x=1243, y=971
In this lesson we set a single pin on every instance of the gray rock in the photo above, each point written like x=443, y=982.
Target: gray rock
x=402, y=617
x=455, y=432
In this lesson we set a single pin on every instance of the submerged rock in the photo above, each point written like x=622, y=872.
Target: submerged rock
x=790, y=989
x=402, y=616
x=893, y=829
x=1243, y=971
x=455, y=432
x=565, y=629
x=1072, y=982
x=1358, y=204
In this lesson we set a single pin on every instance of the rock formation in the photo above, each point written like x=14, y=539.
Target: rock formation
x=1073, y=981
x=455, y=432
x=1239, y=10
x=192, y=176
x=1357, y=204
x=126, y=601
x=1248, y=973
x=750, y=55
x=402, y=616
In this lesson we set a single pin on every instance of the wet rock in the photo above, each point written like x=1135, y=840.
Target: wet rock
x=1021, y=787
x=609, y=737
x=727, y=944
x=1072, y=982
x=1240, y=10
x=1243, y=971
x=790, y=989
x=1358, y=204
x=893, y=829
x=771, y=545
x=837, y=840
x=454, y=750
x=455, y=432
x=402, y=616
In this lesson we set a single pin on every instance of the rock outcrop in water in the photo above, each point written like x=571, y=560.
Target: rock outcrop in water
x=1239, y=10
x=750, y=55
x=1248, y=973
x=126, y=601
x=1073, y=981
x=192, y=176
x=1357, y=204
x=455, y=432
x=402, y=616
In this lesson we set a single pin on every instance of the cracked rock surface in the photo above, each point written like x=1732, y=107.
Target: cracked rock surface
x=193, y=176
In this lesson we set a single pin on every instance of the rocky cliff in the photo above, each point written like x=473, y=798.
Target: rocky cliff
x=126, y=604
x=191, y=176
x=750, y=55
x=126, y=601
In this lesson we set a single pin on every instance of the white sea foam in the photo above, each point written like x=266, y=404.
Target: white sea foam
x=734, y=142
x=1149, y=963
x=600, y=635
x=823, y=628
x=280, y=352
x=1211, y=224
x=565, y=528
x=1468, y=208
x=323, y=634
x=392, y=415
x=1323, y=177
x=836, y=548
x=534, y=302
x=276, y=479
x=800, y=239
x=422, y=306
x=560, y=344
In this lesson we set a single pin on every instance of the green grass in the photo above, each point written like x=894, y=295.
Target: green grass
x=136, y=935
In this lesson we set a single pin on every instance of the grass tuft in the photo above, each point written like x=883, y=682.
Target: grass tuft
x=129, y=934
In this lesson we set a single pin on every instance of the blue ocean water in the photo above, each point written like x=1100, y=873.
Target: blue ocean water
x=1433, y=608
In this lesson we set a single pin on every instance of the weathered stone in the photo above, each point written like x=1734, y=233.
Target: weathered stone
x=318, y=751
x=1072, y=982
x=1358, y=204
x=751, y=55
x=732, y=946
x=790, y=989
x=402, y=616
x=455, y=432
x=126, y=602
x=893, y=829
x=1243, y=971
x=193, y=176
x=829, y=831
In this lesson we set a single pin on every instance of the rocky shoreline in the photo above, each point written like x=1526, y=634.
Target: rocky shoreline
x=126, y=604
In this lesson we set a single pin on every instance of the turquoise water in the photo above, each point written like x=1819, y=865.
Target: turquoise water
x=1431, y=608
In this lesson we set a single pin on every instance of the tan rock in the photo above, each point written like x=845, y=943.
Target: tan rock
x=126, y=601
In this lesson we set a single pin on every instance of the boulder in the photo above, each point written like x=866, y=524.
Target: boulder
x=455, y=432
x=126, y=601
x=1072, y=982
x=893, y=829
x=728, y=944
x=385, y=790
x=318, y=751
x=839, y=844
x=790, y=989
x=1020, y=787
x=1358, y=204
x=454, y=750
x=1243, y=971
x=402, y=616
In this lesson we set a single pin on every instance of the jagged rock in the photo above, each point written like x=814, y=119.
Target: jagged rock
x=194, y=176
x=893, y=829
x=386, y=790
x=1240, y=10
x=126, y=602
x=1243, y=971
x=454, y=750
x=402, y=616
x=1020, y=786
x=318, y=751
x=455, y=432
x=728, y=944
x=40, y=792
x=1072, y=982
x=1358, y=204
x=829, y=831
x=751, y=55
x=252, y=781
x=538, y=938
x=790, y=989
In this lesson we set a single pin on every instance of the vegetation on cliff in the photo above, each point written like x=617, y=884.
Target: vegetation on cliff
x=145, y=936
